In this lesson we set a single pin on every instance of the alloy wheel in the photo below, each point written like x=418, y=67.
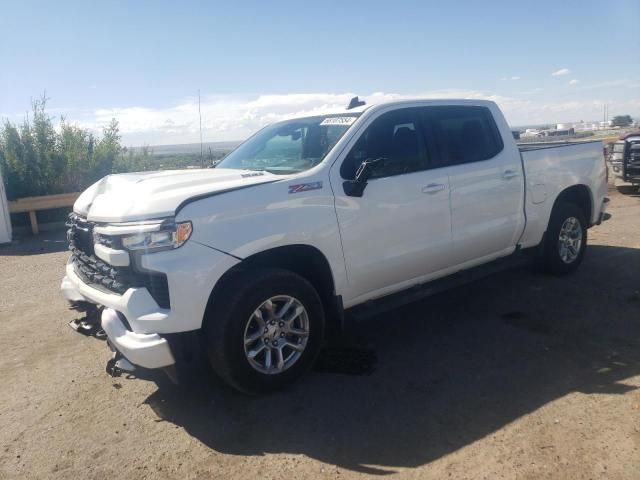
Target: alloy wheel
x=570, y=240
x=276, y=334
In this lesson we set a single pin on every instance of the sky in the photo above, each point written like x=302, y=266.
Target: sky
x=254, y=62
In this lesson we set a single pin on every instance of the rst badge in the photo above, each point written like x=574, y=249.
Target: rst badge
x=305, y=187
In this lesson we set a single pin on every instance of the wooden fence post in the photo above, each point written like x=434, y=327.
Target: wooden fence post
x=34, y=222
x=31, y=205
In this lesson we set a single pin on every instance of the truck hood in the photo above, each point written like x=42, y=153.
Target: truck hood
x=131, y=197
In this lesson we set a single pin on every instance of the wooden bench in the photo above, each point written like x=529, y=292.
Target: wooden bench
x=46, y=202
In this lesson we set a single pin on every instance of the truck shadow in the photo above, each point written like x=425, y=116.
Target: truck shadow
x=451, y=370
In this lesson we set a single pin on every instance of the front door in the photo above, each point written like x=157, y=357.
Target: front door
x=399, y=231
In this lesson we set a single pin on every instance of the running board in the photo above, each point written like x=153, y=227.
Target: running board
x=419, y=292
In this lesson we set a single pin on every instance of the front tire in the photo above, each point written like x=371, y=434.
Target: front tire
x=264, y=329
x=565, y=240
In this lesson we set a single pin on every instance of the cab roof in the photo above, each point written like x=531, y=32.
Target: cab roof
x=408, y=101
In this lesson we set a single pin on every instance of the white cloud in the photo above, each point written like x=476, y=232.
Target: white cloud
x=510, y=78
x=223, y=118
x=574, y=82
x=237, y=117
x=233, y=118
x=562, y=71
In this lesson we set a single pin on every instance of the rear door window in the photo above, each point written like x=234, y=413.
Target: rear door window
x=464, y=134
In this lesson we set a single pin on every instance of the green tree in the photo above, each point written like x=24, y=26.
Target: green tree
x=49, y=164
x=36, y=158
x=76, y=149
x=134, y=160
x=621, y=121
x=14, y=168
x=107, y=149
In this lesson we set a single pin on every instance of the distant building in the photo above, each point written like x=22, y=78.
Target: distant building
x=586, y=126
x=551, y=132
x=530, y=132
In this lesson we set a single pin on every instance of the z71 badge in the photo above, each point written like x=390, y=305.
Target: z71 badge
x=305, y=187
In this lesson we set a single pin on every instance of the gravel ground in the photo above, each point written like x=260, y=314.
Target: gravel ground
x=519, y=375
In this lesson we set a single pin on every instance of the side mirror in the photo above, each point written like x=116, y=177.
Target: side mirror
x=355, y=187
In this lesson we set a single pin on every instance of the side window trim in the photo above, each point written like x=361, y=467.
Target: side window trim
x=494, y=129
x=436, y=157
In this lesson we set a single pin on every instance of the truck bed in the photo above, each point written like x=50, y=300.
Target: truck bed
x=526, y=147
x=549, y=169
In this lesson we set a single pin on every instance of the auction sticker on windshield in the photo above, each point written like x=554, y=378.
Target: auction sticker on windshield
x=338, y=121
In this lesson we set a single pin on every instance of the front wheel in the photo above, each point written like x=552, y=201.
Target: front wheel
x=264, y=330
x=565, y=240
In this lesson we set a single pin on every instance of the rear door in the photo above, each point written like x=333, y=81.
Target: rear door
x=485, y=178
x=400, y=229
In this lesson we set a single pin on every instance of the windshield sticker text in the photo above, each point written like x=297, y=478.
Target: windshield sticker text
x=338, y=121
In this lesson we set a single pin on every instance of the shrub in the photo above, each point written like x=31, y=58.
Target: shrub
x=38, y=159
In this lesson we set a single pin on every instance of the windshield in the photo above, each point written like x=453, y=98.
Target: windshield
x=291, y=146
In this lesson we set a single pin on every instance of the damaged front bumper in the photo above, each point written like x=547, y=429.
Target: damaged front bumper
x=137, y=327
x=148, y=350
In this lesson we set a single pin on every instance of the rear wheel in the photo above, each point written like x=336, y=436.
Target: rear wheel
x=565, y=240
x=264, y=330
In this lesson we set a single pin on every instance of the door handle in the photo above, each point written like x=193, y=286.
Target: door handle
x=509, y=174
x=433, y=188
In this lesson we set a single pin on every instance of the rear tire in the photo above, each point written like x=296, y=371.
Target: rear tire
x=565, y=240
x=262, y=313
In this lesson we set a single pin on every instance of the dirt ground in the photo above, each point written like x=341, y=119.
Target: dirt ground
x=519, y=375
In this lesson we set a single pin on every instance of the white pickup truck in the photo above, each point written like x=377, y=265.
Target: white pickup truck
x=257, y=260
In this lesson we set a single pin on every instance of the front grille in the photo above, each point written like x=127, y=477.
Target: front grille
x=633, y=168
x=97, y=273
x=633, y=160
x=80, y=234
x=93, y=271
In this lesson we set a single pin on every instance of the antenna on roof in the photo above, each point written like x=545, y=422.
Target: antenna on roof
x=355, y=102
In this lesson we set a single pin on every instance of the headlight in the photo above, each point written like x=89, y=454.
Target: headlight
x=147, y=236
x=170, y=236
